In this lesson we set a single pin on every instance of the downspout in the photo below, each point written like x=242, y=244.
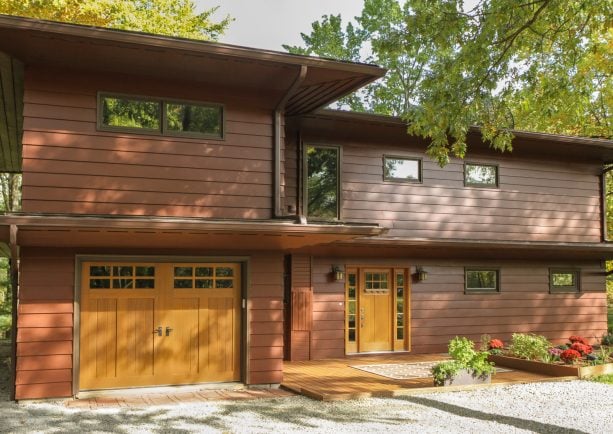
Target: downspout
x=278, y=116
x=14, y=272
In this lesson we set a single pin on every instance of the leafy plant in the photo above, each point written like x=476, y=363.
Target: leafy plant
x=464, y=356
x=607, y=379
x=607, y=339
x=570, y=356
x=529, y=346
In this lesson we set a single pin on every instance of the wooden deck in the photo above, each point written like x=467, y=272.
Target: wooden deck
x=335, y=379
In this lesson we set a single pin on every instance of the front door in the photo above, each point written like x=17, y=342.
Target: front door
x=148, y=324
x=376, y=310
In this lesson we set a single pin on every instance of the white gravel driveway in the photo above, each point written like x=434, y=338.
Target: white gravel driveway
x=560, y=407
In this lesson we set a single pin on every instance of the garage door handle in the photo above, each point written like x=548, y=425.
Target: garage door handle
x=168, y=330
x=158, y=331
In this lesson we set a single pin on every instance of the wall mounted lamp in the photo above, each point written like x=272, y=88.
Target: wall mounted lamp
x=338, y=274
x=421, y=274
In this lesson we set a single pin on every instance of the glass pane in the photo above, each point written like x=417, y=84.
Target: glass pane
x=99, y=270
x=351, y=336
x=402, y=169
x=224, y=272
x=399, y=292
x=400, y=279
x=131, y=113
x=183, y=283
x=481, y=279
x=204, y=271
x=351, y=321
x=183, y=272
x=122, y=271
x=400, y=319
x=480, y=174
x=352, y=279
x=145, y=283
x=99, y=283
x=123, y=283
x=399, y=306
x=563, y=279
x=400, y=333
x=352, y=292
x=194, y=118
x=351, y=307
x=145, y=271
x=322, y=182
x=204, y=283
x=223, y=283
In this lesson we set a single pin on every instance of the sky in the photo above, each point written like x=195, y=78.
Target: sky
x=270, y=23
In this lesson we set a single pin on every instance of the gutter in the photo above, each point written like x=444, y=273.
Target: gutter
x=277, y=115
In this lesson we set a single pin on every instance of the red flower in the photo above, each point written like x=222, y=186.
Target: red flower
x=575, y=338
x=495, y=344
x=569, y=356
x=584, y=349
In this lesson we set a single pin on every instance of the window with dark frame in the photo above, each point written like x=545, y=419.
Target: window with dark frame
x=402, y=169
x=322, y=182
x=481, y=280
x=480, y=175
x=564, y=280
x=159, y=116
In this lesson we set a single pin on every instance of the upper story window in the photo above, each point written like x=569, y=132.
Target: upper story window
x=322, y=182
x=480, y=280
x=563, y=280
x=402, y=169
x=480, y=175
x=158, y=116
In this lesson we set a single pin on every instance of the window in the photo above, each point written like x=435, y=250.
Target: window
x=121, y=276
x=400, y=303
x=481, y=280
x=402, y=169
x=322, y=184
x=564, y=280
x=480, y=175
x=151, y=115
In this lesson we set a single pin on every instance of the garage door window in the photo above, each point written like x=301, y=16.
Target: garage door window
x=203, y=277
x=121, y=276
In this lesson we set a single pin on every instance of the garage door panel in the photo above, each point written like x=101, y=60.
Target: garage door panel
x=136, y=340
x=182, y=342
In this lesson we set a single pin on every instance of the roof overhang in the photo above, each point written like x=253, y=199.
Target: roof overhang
x=268, y=74
x=466, y=249
x=388, y=129
x=168, y=233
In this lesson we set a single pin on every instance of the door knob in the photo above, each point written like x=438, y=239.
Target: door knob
x=168, y=330
x=158, y=331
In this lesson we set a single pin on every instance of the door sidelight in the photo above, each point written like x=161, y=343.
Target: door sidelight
x=158, y=331
x=168, y=330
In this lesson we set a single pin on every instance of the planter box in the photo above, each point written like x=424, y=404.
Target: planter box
x=465, y=377
x=551, y=369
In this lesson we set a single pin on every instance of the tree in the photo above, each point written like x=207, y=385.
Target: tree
x=541, y=65
x=165, y=17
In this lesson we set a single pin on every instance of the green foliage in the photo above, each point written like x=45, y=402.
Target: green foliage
x=464, y=356
x=607, y=339
x=164, y=17
x=541, y=65
x=529, y=346
x=322, y=182
x=607, y=379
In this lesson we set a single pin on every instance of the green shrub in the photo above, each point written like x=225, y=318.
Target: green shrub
x=5, y=323
x=607, y=339
x=529, y=346
x=464, y=356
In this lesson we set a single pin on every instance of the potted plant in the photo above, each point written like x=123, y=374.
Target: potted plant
x=467, y=366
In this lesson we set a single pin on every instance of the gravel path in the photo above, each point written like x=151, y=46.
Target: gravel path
x=561, y=407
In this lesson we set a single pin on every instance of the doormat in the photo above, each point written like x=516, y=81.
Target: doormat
x=406, y=371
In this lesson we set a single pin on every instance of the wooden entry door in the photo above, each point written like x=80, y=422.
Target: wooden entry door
x=159, y=323
x=377, y=311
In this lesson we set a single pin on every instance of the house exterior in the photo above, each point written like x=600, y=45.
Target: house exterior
x=191, y=215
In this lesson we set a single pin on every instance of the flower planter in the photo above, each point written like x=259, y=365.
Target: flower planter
x=466, y=377
x=550, y=368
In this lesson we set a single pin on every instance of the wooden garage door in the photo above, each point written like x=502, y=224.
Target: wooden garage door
x=156, y=323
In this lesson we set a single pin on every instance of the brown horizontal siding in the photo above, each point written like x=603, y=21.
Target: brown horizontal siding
x=440, y=310
x=265, y=327
x=70, y=167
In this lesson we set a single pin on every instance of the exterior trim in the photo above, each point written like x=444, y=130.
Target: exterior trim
x=565, y=289
x=477, y=184
x=401, y=180
x=468, y=291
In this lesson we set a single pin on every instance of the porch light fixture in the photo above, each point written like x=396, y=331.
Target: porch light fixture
x=338, y=274
x=421, y=274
